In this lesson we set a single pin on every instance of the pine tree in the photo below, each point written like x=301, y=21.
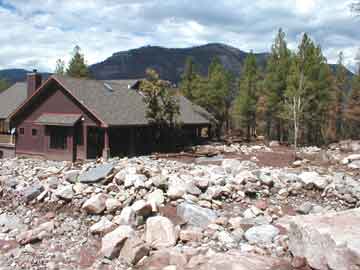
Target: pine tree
x=188, y=79
x=162, y=106
x=213, y=93
x=340, y=88
x=277, y=72
x=245, y=103
x=77, y=66
x=60, y=67
x=352, y=112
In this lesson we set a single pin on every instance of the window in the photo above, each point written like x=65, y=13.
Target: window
x=58, y=138
x=34, y=132
x=22, y=131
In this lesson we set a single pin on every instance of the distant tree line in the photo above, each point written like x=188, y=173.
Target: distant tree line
x=296, y=99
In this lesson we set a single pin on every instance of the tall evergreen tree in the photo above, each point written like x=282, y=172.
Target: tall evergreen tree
x=352, y=112
x=277, y=72
x=245, y=103
x=188, y=79
x=60, y=67
x=340, y=88
x=77, y=66
x=213, y=92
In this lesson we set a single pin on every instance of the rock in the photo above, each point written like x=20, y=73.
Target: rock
x=160, y=181
x=96, y=204
x=230, y=165
x=202, y=183
x=177, y=188
x=313, y=178
x=156, y=197
x=241, y=261
x=38, y=233
x=274, y=143
x=225, y=238
x=191, y=235
x=112, y=242
x=71, y=176
x=192, y=189
x=329, y=241
x=32, y=192
x=126, y=217
x=252, y=212
x=96, y=174
x=160, y=232
x=133, y=250
x=305, y=208
x=142, y=208
x=112, y=205
x=66, y=193
x=103, y=226
x=137, y=180
x=263, y=234
x=195, y=215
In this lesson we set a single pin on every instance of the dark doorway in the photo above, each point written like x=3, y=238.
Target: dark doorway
x=95, y=142
x=1, y=154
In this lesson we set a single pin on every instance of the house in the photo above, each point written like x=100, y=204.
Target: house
x=10, y=99
x=67, y=118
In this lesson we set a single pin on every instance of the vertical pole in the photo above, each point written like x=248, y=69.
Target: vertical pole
x=106, y=151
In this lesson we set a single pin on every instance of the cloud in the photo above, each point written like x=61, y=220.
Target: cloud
x=36, y=32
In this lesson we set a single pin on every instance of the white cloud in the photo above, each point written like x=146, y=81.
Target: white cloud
x=38, y=32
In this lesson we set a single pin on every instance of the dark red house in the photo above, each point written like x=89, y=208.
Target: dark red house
x=67, y=119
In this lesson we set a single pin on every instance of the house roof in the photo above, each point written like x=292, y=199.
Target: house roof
x=52, y=119
x=117, y=103
x=12, y=98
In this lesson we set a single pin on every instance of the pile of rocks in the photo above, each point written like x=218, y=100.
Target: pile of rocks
x=161, y=214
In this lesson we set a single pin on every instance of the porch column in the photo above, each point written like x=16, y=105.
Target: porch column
x=85, y=132
x=106, y=151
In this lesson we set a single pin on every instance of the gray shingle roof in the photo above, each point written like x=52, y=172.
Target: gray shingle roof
x=116, y=103
x=52, y=119
x=12, y=98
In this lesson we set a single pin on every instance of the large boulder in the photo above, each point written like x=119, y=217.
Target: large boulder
x=195, y=215
x=96, y=204
x=329, y=241
x=66, y=192
x=239, y=261
x=134, y=250
x=112, y=242
x=96, y=174
x=263, y=234
x=160, y=232
x=313, y=179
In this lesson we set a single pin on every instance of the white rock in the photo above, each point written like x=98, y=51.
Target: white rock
x=160, y=232
x=65, y=192
x=263, y=234
x=112, y=242
x=126, y=217
x=103, y=226
x=112, y=204
x=96, y=204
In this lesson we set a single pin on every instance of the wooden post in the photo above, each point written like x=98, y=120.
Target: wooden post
x=106, y=151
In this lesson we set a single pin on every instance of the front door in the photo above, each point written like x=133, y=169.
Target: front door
x=95, y=142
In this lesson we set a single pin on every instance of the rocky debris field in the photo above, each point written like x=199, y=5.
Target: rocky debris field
x=145, y=213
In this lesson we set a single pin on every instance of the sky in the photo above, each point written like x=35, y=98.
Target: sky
x=35, y=33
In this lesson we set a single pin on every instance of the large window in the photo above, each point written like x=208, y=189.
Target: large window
x=58, y=138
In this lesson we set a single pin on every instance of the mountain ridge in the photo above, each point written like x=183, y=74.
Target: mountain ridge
x=169, y=62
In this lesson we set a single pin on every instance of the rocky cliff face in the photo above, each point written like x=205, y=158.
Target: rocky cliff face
x=169, y=62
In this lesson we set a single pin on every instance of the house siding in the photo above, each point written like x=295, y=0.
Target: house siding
x=56, y=100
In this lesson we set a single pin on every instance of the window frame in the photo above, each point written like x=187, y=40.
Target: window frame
x=58, y=139
x=21, y=131
x=34, y=134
